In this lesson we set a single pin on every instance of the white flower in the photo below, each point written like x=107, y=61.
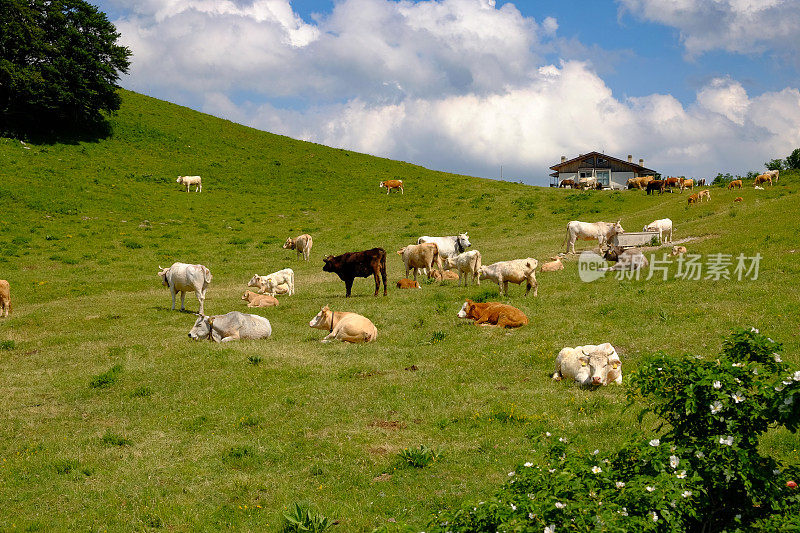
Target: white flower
x=754, y=330
x=717, y=385
x=650, y=489
x=738, y=397
x=560, y=505
x=654, y=516
x=776, y=472
x=659, y=369
x=596, y=470
x=686, y=493
x=699, y=454
x=513, y=507
x=551, y=470
x=595, y=452
x=716, y=407
x=550, y=529
x=547, y=434
x=530, y=516
x=737, y=365
x=796, y=376
x=655, y=442
x=511, y=474
x=681, y=474
x=562, y=439
x=777, y=358
x=770, y=340
x=673, y=461
x=789, y=400
x=624, y=511
x=755, y=371
x=528, y=464
x=620, y=484
x=727, y=442
x=779, y=388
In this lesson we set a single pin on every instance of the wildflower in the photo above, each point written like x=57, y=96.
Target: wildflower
x=654, y=516
x=596, y=470
x=655, y=442
x=560, y=505
x=755, y=371
x=754, y=330
x=770, y=340
x=686, y=493
x=727, y=442
x=699, y=454
x=528, y=464
x=530, y=516
x=619, y=484
x=562, y=439
x=779, y=388
x=595, y=452
x=796, y=376
x=650, y=489
x=673, y=461
x=550, y=529
x=547, y=434
x=681, y=474
x=717, y=385
x=789, y=400
x=737, y=365
x=776, y=472
x=511, y=474
x=513, y=507
x=716, y=407
x=738, y=397
x=791, y=484
x=624, y=511
x=551, y=470
x=777, y=358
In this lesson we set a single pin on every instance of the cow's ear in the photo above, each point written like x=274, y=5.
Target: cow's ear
x=616, y=363
x=584, y=360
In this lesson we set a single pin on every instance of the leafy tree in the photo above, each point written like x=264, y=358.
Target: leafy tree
x=59, y=65
x=793, y=160
x=774, y=164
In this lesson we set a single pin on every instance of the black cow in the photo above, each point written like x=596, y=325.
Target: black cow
x=358, y=265
x=656, y=185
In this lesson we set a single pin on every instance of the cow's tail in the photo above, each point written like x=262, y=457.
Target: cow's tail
x=478, y=262
x=566, y=238
x=371, y=335
x=383, y=270
x=419, y=241
x=207, y=275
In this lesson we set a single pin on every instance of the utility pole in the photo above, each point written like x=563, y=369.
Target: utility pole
x=501, y=172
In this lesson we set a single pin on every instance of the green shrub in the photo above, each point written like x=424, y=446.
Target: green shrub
x=142, y=392
x=254, y=359
x=107, y=378
x=130, y=243
x=302, y=518
x=418, y=457
x=112, y=439
x=7, y=345
x=704, y=472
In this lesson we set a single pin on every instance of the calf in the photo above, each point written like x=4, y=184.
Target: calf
x=301, y=243
x=260, y=282
x=693, y=199
x=566, y=183
x=392, y=184
x=466, y=264
x=183, y=278
x=351, y=265
x=662, y=226
x=678, y=250
x=270, y=283
x=230, y=327
x=5, y=298
x=344, y=326
x=705, y=193
x=514, y=271
x=589, y=365
x=191, y=180
x=738, y=199
x=408, y=284
x=554, y=264
x=493, y=313
x=444, y=275
x=627, y=259
x=259, y=300
x=420, y=256
x=735, y=184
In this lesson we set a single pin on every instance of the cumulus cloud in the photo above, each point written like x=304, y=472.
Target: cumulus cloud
x=740, y=26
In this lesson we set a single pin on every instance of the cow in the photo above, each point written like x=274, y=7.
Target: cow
x=671, y=183
x=590, y=365
x=5, y=298
x=259, y=300
x=678, y=250
x=693, y=199
x=351, y=265
x=514, y=271
x=230, y=327
x=191, y=180
x=554, y=264
x=344, y=326
x=408, y=284
x=261, y=283
x=701, y=182
x=493, y=313
x=763, y=178
x=301, y=243
x=587, y=183
x=449, y=246
x=444, y=275
x=738, y=199
x=466, y=264
x=269, y=284
x=392, y=184
x=420, y=256
x=627, y=259
x=774, y=174
x=705, y=193
x=687, y=184
x=566, y=183
x=588, y=231
x=656, y=185
x=183, y=278
x=639, y=183
x=662, y=226
x=735, y=184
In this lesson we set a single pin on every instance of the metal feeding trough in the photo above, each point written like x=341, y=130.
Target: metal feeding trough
x=636, y=238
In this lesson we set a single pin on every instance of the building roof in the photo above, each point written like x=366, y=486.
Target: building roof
x=634, y=167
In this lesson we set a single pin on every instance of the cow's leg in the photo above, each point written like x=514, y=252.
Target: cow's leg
x=201, y=298
x=383, y=275
x=173, y=299
x=233, y=337
x=183, y=300
x=348, y=285
x=532, y=283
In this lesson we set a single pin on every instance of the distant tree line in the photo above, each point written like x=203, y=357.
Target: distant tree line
x=59, y=66
x=792, y=161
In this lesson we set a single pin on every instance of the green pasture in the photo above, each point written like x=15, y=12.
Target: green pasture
x=113, y=419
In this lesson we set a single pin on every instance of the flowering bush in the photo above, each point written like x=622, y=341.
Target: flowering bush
x=703, y=472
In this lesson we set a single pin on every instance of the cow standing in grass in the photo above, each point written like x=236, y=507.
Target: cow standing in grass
x=351, y=265
x=602, y=232
x=191, y=180
x=183, y=278
x=301, y=243
x=5, y=298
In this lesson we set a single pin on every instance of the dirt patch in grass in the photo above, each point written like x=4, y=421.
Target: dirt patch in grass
x=382, y=477
x=387, y=424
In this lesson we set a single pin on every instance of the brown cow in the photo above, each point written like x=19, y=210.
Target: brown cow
x=5, y=298
x=693, y=199
x=493, y=313
x=738, y=199
x=672, y=183
x=406, y=283
x=735, y=184
x=763, y=178
x=656, y=185
x=392, y=184
x=566, y=183
x=351, y=265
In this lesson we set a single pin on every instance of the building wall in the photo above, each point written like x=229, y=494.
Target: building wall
x=620, y=179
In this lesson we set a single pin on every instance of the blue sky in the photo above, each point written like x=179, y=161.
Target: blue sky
x=694, y=88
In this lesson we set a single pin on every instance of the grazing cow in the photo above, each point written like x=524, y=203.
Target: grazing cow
x=639, y=183
x=693, y=199
x=705, y=193
x=5, y=298
x=344, y=326
x=656, y=185
x=420, y=256
x=701, y=182
x=466, y=264
x=351, y=265
x=566, y=183
x=230, y=327
x=191, y=180
x=392, y=184
x=735, y=184
x=687, y=184
x=444, y=275
x=588, y=231
x=269, y=284
x=408, y=284
x=301, y=243
x=678, y=250
x=738, y=199
x=774, y=174
x=514, y=271
x=554, y=264
x=662, y=226
x=493, y=313
x=587, y=183
x=261, y=283
x=448, y=246
x=259, y=300
x=590, y=365
x=627, y=259
x=763, y=178
x=183, y=278
x=672, y=183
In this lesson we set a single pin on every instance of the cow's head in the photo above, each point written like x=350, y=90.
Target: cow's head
x=202, y=328
x=466, y=309
x=322, y=320
x=617, y=227
x=179, y=180
x=163, y=272
x=612, y=253
x=289, y=244
x=330, y=264
x=246, y=295
x=401, y=250
x=462, y=242
x=381, y=184
x=599, y=366
x=254, y=281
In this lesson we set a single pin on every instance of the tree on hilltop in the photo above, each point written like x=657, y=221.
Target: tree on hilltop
x=59, y=66
x=793, y=159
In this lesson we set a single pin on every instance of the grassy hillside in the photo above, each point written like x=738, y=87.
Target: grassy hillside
x=195, y=436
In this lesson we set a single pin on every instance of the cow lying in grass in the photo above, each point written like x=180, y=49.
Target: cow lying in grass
x=493, y=313
x=230, y=327
x=344, y=326
x=5, y=298
x=408, y=284
x=270, y=284
x=259, y=300
x=589, y=365
x=553, y=265
x=444, y=275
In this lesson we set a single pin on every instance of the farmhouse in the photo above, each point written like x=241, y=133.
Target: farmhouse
x=610, y=172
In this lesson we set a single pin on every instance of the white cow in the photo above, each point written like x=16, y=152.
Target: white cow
x=230, y=327
x=466, y=264
x=589, y=365
x=662, y=226
x=183, y=278
x=588, y=231
x=514, y=271
x=448, y=246
x=191, y=180
x=301, y=243
x=774, y=174
x=271, y=283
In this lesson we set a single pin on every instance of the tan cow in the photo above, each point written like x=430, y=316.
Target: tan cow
x=392, y=184
x=420, y=256
x=466, y=264
x=344, y=326
x=687, y=184
x=735, y=184
x=259, y=300
x=493, y=313
x=763, y=178
x=514, y=271
x=738, y=199
x=408, y=284
x=705, y=193
x=554, y=264
x=5, y=298
x=301, y=243
x=774, y=174
x=678, y=250
x=445, y=275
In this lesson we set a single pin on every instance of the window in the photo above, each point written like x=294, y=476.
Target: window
x=604, y=177
x=589, y=161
